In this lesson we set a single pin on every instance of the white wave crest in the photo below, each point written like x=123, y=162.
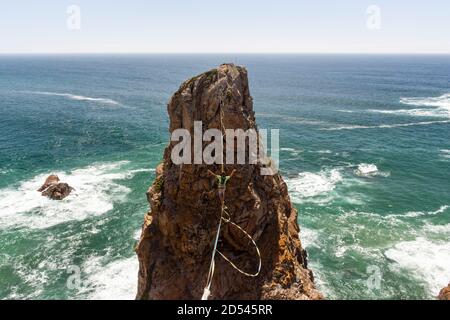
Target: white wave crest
x=348, y=111
x=413, y=214
x=440, y=230
x=292, y=151
x=415, y=112
x=77, y=97
x=308, y=184
x=96, y=190
x=309, y=237
x=113, y=281
x=385, y=126
x=445, y=154
x=322, y=151
x=438, y=102
x=435, y=107
x=365, y=169
x=369, y=170
x=427, y=261
x=137, y=234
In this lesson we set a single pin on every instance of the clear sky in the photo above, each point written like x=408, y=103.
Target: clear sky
x=283, y=26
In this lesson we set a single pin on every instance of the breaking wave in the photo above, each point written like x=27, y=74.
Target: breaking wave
x=309, y=237
x=292, y=151
x=308, y=184
x=445, y=154
x=420, y=250
x=96, y=190
x=113, y=281
x=436, y=229
x=365, y=169
x=413, y=214
x=77, y=97
x=427, y=261
x=385, y=126
x=435, y=107
x=415, y=112
x=369, y=170
x=438, y=102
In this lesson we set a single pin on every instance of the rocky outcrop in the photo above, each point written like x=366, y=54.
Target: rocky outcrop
x=177, y=238
x=51, y=180
x=54, y=189
x=445, y=293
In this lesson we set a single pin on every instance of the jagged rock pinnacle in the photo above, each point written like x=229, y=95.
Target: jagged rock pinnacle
x=178, y=233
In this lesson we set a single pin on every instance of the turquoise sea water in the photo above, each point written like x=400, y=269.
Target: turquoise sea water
x=365, y=152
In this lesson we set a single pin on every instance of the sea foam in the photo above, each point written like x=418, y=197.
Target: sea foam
x=445, y=154
x=439, y=230
x=365, y=169
x=414, y=214
x=427, y=261
x=96, y=190
x=435, y=107
x=369, y=170
x=438, y=102
x=309, y=237
x=385, y=126
x=113, y=281
x=77, y=97
x=308, y=184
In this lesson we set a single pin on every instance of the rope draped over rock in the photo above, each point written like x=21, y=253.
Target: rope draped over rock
x=222, y=180
x=227, y=219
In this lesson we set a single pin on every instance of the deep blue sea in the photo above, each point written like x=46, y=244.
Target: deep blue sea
x=365, y=151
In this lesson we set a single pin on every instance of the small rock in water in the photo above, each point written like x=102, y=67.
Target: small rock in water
x=54, y=189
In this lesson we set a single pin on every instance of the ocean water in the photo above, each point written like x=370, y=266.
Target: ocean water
x=365, y=152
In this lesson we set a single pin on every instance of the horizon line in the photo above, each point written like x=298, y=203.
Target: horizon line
x=224, y=53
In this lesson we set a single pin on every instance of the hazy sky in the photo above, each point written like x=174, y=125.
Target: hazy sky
x=225, y=26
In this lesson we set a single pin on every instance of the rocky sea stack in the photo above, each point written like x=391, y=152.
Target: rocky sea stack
x=178, y=234
x=54, y=189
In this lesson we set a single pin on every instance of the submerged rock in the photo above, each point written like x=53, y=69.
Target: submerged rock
x=445, y=293
x=178, y=234
x=54, y=189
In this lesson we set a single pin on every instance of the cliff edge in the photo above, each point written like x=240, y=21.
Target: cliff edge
x=178, y=234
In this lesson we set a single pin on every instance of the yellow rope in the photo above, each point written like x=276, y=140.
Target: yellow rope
x=228, y=220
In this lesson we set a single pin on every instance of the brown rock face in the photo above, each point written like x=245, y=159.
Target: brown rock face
x=178, y=233
x=51, y=180
x=55, y=190
x=445, y=293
